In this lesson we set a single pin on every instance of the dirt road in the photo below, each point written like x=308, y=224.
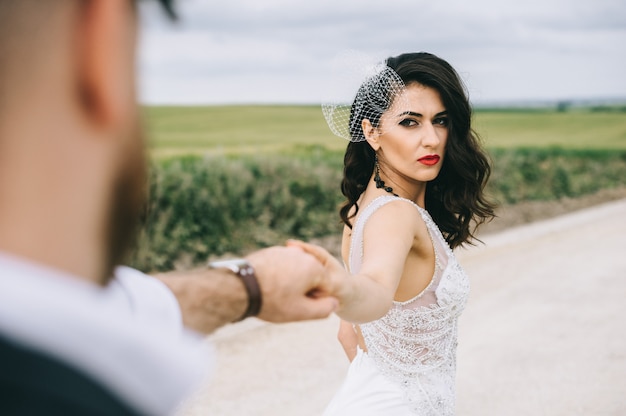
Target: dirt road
x=544, y=332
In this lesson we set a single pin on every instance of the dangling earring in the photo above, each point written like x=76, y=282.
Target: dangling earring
x=380, y=184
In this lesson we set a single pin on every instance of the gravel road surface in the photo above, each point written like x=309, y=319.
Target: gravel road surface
x=544, y=332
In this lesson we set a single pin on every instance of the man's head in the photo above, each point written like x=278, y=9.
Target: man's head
x=72, y=171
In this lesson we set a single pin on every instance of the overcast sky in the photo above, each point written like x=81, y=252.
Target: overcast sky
x=280, y=51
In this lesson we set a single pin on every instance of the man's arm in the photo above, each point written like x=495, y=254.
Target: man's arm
x=208, y=298
x=289, y=280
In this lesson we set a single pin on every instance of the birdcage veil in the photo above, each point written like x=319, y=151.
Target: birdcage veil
x=359, y=88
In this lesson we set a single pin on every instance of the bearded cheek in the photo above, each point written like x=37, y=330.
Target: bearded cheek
x=127, y=202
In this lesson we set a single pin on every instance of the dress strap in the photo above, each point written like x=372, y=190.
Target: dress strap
x=356, y=242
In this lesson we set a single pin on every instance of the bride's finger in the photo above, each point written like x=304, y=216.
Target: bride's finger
x=319, y=253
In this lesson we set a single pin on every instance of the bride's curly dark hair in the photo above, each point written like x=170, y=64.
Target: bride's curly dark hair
x=456, y=197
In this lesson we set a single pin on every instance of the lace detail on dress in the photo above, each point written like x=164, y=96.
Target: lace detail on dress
x=414, y=344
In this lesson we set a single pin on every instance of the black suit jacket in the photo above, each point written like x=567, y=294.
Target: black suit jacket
x=32, y=383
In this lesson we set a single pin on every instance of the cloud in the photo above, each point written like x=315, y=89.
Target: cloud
x=280, y=51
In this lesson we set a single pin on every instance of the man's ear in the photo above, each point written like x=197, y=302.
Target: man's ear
x=371, y=134
x=105, y=37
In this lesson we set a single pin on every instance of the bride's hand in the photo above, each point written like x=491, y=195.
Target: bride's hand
x=348, y=338
x=336, y=277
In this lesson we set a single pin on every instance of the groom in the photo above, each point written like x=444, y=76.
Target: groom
x=77, y=334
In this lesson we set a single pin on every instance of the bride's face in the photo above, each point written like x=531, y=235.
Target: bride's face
x=412, y=139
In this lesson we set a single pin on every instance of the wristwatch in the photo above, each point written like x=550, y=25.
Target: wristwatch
x=245, y=272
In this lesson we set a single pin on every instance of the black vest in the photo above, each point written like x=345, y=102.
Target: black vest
x=32, y=383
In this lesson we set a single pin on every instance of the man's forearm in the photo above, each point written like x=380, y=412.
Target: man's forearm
x=208, y=298
x=292, y=284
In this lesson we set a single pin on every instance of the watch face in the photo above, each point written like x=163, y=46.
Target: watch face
x=232, y=264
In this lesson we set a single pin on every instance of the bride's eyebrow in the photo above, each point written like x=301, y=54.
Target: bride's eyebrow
x=418, y=115
x=410, y=113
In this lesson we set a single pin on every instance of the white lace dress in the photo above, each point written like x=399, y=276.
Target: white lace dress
x=410, y=365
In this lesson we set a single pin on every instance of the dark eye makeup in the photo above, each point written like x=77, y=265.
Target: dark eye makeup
x=442, y=121
x=408, y=122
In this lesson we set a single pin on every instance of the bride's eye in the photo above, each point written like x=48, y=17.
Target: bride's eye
x=441, y=121
x=407, y=122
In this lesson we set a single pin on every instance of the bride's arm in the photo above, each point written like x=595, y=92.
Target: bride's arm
x=388, y=237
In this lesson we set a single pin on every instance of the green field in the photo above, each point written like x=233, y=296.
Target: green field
x=575, y=129
x=270, y=129
x=237, y=129
x=283, y=168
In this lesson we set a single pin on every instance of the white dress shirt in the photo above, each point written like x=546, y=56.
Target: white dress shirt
x=127, y=336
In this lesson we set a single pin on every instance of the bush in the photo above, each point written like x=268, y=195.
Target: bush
x=208, y=207
x=547, y=174
x=203, y=207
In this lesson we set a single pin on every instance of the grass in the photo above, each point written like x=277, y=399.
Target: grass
x=237, y=130
x=575, y=129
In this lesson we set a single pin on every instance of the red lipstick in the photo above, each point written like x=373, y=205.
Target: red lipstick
x=429, y=159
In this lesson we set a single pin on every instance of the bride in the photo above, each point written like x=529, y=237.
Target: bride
x=414, y=174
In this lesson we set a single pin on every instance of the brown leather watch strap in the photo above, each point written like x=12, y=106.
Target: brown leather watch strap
x=246, y=273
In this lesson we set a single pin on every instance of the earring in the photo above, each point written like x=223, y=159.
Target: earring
x=380, y=184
